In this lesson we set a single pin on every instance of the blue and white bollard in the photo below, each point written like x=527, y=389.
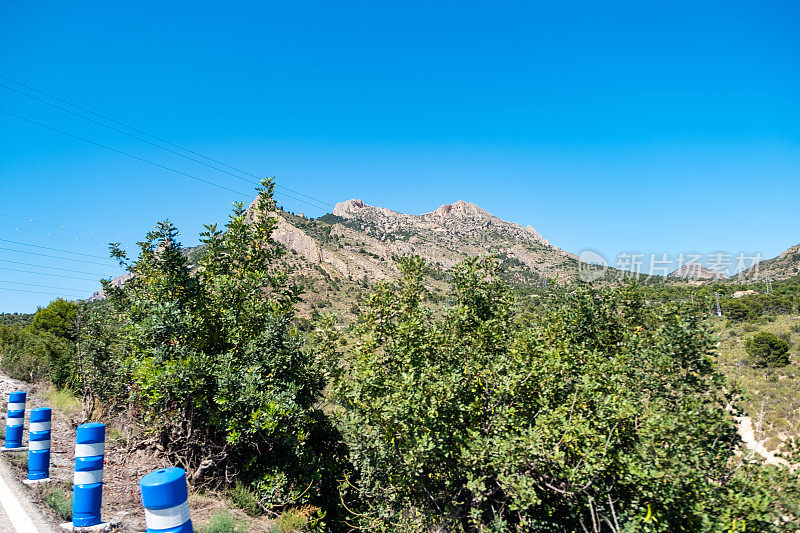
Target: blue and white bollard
x=39, y=444
x=166, y=501
x=87, y=496
x=15, y=419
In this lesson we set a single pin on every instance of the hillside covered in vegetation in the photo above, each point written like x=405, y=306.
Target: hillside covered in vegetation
x=454, y=401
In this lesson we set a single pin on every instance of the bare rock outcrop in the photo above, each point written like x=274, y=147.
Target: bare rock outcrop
x=696, y=271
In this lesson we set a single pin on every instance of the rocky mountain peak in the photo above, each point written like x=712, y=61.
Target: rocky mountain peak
x=696, y=271
x=461, y=209
x=348, y=208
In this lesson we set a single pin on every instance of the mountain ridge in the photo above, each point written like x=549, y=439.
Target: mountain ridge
x=359, y=240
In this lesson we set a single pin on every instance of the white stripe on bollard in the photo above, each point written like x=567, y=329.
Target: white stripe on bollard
x=35, y=445
x=12, y=422
x=39, y=426
x=16, y=406
x=86, y=477
x=167, y=518
x=90, y=450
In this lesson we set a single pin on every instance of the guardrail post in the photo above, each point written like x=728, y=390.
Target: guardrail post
x=39, y=444
x=87, y=496
x=166, y=501
x=15, y=419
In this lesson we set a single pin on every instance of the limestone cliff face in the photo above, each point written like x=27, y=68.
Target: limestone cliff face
x=294, y=238
x=348, y=209
x=360, y=240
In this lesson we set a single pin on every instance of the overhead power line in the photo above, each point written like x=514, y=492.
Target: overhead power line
x=159, y=165
x=53, y=256
x=62, y=226
x=142, y=132
x=6, y=269
x=151, y=143
x=62, y=132
x=42, y=286
x=50, y=267
x=64, y=237
x=34, y=292
x=53, y=249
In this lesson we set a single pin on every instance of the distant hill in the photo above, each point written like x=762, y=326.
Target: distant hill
x=786, y=265
x=358, y=240
x=696, y=271
x=338, y=256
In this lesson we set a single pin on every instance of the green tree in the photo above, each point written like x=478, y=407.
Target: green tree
x=45, y=348
x=742, y=309
x=58, y=318
x=102, y=361
x=218, y=371
x=767, y=350
x=603, y=414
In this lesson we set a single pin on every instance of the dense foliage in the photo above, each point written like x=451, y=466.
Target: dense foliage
x=217, y=372
x=8, y=319
x=768, y=350
x=779, y=297
x=44, y=347
x=603, y=414
x=580, y=410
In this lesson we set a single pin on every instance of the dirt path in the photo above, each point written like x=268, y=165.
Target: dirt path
x=744, y=425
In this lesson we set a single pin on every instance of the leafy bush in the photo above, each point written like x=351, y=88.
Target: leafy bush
x=768, y=350
x=217, y=371
x=603, y=413
x=742, y=309
x=32, y=356
x=58, y=319
x=45, y=348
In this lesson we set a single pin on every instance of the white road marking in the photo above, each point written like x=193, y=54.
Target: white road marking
x=16, y=514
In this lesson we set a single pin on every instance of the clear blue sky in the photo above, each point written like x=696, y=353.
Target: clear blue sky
x=660, y=127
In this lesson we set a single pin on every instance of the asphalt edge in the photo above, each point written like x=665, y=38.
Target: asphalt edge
x=40, y=521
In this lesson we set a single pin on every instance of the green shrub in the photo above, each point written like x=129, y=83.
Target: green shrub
x=305, y=518
x=602, y=411
x=44, y=349
x=742, y=309
x=243, y=497
x=215, y=350
x=32, y=356
x=767, y=350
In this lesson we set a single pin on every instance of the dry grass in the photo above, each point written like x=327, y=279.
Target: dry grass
x=63, y=401
x=773, y=389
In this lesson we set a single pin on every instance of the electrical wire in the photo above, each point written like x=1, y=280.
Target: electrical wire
x=42, y=286
x=62, y=132
x=64, y=237
x=53, y=256
x=33, y=292
x=52, y=249
x=6, y=269
x=104, y=117
x=62, y=226
x=50, y=267
x=159, y=165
